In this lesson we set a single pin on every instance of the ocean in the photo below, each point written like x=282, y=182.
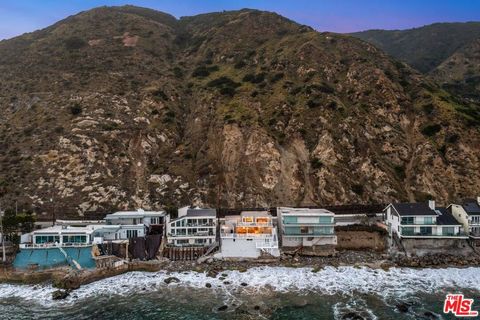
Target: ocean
x=259, y=293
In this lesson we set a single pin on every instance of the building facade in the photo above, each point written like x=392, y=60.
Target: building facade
x=248, y=235
x=312, y=231
x=194, y=227
x=468, y=214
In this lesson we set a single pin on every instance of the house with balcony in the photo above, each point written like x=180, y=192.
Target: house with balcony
x=132, y=224
x=194, y=227
x=307, y=231
x=468, y=214
x=251, y=234
x=422, y=228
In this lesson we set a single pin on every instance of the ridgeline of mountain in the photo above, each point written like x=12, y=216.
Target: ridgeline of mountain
x=446, y=51
x=123, y=107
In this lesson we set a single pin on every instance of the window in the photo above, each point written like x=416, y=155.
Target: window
x=132, y=234
x=200, y=241
x=325, y=220
x=448, y=231
x=74, y=239
x=288, y=220
x=47, y=239
x=323, y=230
x=155, y=220
x=428, y=220
x=408, y=231
x=408, y=220
x=426, y=231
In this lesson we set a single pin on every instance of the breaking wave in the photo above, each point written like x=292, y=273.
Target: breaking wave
x=398, y=282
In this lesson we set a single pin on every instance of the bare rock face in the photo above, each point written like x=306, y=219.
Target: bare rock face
x=127, y=107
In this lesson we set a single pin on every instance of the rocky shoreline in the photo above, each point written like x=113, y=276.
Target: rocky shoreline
x=66, y=279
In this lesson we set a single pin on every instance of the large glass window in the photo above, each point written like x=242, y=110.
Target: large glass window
x=408, y=220
x=323, y=230
x=428, y=220
x=47, y=239
x=408, y=231
x=448, y=231
x=426, y=231
x=325, y=219
x=289, y=219
x=74, y=239
x=132, y=234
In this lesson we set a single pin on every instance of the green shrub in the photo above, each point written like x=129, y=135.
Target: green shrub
x=225, y=85
x=204, y=71
x=400, y=171
x=239, y=65
x=254, y=78
x=316, y=163
x=76, y=109
x=358, y=189
x=431, y=130
x=74, y=43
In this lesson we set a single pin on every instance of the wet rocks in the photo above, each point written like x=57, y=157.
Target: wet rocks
x=402, y=307
x=60, y=294
x=244, y=284
x=222, y=308
x=352, y=316
x=208, y=285
x=171, y=279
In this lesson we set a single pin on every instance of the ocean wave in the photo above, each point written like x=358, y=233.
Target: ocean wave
x=396, y=282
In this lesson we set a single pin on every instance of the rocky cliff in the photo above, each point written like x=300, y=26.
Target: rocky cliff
x=125, y=107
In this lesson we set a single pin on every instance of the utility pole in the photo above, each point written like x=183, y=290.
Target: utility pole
x=4, y=255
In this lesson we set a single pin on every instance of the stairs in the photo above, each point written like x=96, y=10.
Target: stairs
x=70, y=260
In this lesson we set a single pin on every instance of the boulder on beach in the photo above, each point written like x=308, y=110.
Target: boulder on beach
x=60, y=294
x=222, y=308
x=208, y=285
x=171, y=279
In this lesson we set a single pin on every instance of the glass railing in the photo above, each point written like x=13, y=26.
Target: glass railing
x=424, y=234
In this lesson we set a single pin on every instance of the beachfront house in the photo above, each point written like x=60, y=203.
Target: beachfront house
x=248, y=235
x=468, y=213
x=422, y=228
x=64, y=236
x=194, y=227
x=308, y=231
x=132, y=224
x=421, y=220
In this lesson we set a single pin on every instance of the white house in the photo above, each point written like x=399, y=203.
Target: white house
x=65, y=236
x=312, y=230
x=468, y=214
x=248, y=235
x=422, y=220
x=193, y=227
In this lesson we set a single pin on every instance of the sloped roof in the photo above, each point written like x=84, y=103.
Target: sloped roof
x=446, y=218
x=471, y=207
x=414, y=209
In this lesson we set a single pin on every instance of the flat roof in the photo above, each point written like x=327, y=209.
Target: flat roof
x=135, y=214
x=255, y=214
x=305, y=211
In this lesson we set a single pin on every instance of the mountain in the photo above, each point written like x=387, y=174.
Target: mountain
x=460, y=73
x=423, y=48
x=448, y=52
x=124, y=107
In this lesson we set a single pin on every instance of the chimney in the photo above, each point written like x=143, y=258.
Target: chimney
x=478, y=200
x=431, y=204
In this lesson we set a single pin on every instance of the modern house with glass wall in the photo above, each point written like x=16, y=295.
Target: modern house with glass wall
x=248, y=235
x=468, y=214
x=308, y=231
x=64, y=236
x=194, y=227
x=422, y=220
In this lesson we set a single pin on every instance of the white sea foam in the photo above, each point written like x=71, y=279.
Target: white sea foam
x=344, y=280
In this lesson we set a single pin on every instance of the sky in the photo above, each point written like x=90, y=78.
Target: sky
x=20, y=16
